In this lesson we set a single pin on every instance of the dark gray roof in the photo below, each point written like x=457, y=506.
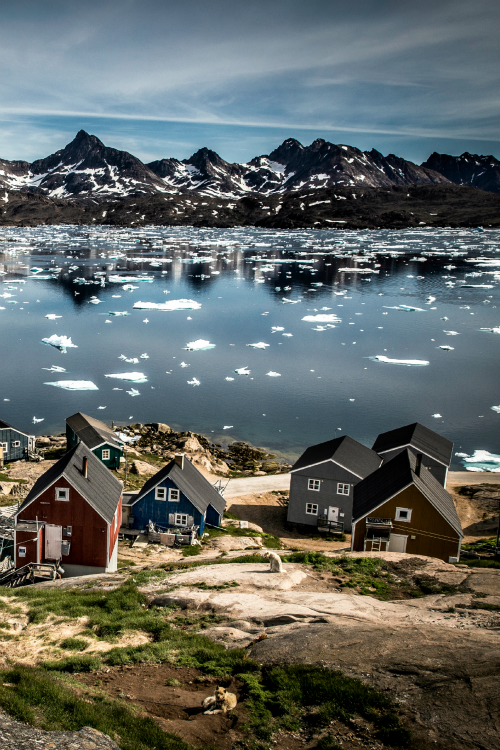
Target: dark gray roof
x=191, y=482
x=91, y=431
x=393, y=477
x=7, y=426
x=101, y=489
x=343, y=450
x=419, y=437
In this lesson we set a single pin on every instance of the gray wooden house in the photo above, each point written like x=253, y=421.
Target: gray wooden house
x=322, y=482
x=14, y=443
x=97, y=436
x=436, y=451
x=402, y=507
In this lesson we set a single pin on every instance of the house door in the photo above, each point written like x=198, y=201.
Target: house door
x=333, y=514
x=53, y=541
x=397, y=543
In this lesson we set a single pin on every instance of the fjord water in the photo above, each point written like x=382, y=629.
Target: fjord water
x=327, y=385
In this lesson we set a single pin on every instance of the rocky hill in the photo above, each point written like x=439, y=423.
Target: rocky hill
x=468, y=169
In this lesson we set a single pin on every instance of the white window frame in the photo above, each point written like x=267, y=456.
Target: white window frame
x=4, y=447
x=342, y=487
x=16, y=444
x=311, y=509
x=314, y=485
x=174, y=495
x=62, y=494
x=106, y=454
x=398, y=515
x=161, y=493
x=181, y=519
x=22, y=552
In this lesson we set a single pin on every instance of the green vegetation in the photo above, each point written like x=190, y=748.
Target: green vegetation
x=191, y=550
x=52, y=454
x=480, y=563
x=74, y=644
x=484, y=546
x=38, y=698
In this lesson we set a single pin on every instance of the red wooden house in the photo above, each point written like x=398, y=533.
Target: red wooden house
x=71, y=516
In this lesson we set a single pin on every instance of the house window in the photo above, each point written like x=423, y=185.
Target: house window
x=16, y=444
x=313, y=484
x=181, y=519
x=4, y=446
x=106, y=454
x=22, y=551
x=311, y=509
x=174, y=496
x=403, y=514
x=342, y=489
x=62, y=493
x=68, y=531
x=161, y=493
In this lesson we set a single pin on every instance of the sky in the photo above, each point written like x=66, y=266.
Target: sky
x=163, y=78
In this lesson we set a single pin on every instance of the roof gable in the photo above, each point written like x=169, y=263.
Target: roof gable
x=191, y=482
x=91, y=431
x=100, y=488
x=419, y=437
x=7, y=426
x=348, y=453
x=395, y=476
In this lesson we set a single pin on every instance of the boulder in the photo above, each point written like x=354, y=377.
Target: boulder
x=159, y=427
x=141, y=467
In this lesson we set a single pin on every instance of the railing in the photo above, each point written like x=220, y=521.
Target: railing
x=330, y=527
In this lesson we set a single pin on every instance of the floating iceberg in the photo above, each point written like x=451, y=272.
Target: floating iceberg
x=405, y=308
x=144, y=356
x=407, y=362
x=451, y=333
x=496, y=408
x=357, y=270
x=173, y=304
x=35, y=420
x=437, y=416
x=274, y=374
x=288, y=335
x=115, y=279
x=54, y=368
x=446, y=348
x=194, y=381
x=482, y=461
x=60, y=342
x=491, y=330
x=228, y=427
x=200, y=345
x=277, y=328
x=75, y=385
x=259, y=345
x=119, y=314
x=322, y=318
x=123, y=438
x=52, y=316
x=102, y=407
x=133, y=392
x=132, y=377
x=242, y=371
x=228, y=378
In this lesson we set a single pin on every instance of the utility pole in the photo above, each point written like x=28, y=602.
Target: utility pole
x=497, y=545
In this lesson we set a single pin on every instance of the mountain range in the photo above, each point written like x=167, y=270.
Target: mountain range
x=87, y=169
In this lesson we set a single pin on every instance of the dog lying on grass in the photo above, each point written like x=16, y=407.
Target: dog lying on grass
x=219, y=703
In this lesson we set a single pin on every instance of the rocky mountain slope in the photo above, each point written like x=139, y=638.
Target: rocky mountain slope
x=86, y=168
x=468, y=169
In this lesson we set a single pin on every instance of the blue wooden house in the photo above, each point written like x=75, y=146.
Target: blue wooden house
x=178, y=496
x=97, y=436
x=14, y=443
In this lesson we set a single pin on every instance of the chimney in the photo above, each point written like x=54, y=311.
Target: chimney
x=418, y=464
x=179, y=459
x=85, y=466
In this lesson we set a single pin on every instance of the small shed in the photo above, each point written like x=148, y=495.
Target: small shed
x=435, y=449
x=322, y=482
x=97, y=436
x=177, y=496
x=14, y=443
x=402, y=507
x=71, y=516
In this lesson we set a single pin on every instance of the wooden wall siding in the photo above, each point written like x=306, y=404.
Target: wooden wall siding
x=213, y=516
x=71, y=437
x=28, y=539
x=114, y=455
x=89, y=533
x=330, y=474
x=11, y=436
x=434, y=536
x=148, y=509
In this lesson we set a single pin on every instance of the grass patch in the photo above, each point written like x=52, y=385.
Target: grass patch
x=486, y=546
x=42, y=700
x=191, y=550
x=74, y=644
x=53, y=453
x=481, y=563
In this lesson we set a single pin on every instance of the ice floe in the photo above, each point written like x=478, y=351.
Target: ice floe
x=407, y=362
x=405, y=308
x=132, y=377
x=35, y=420
x=74, y=385
x=259, y=345
x=482, y=461
x=242, y=371
x=322, y=318
x=54, y=368
x=200, y=345
x=274, y=374
x=496, y=408
x=169, y=306
x=446, y=348
x=194, y=381
x=60, y=342
x=53, y=316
